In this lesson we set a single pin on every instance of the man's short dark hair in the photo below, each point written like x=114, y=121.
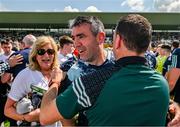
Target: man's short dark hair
x=136, y=32
x=166, y=47
x=96, y=25
x=7, y=41
x=65, y=40
x=175, y=43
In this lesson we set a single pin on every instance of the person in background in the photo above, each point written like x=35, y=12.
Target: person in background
x=167, y=64
x=150, y=57
x=12, y=61
x=42, y=59
x=7, y=49
x=66, y=48
x=5, y=84
x=1, y=50
x=28, y=41
x=111, y=95
x=164, y=52
x=175, y=45
x=173, y=78
x=173, y=75
x=21, y=44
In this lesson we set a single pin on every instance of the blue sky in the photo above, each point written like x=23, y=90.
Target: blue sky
x=90, y=5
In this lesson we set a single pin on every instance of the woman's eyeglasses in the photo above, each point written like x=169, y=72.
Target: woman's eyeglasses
x=43, y=51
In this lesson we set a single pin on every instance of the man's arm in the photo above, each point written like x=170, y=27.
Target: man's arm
x=172, y=77
x=49, y=112
x=3, y=67
x=49, y=102
x=11, y=62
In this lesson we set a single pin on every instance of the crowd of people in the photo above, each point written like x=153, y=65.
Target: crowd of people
x=79, y=82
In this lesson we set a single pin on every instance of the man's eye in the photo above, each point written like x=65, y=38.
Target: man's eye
x=82, y=36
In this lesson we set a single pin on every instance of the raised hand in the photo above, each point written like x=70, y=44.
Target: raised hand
x=15, y=60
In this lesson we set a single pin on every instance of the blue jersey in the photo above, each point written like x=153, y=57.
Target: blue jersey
x=75, y=68
x=175, y=63
x=81, y=67
x=151, y=59
x=176, y=58
x=166, y=66
x=16, y=69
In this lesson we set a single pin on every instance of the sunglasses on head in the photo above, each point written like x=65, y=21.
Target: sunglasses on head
x=43, y=51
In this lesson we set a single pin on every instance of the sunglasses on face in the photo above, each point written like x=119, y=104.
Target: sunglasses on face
x=43, y=51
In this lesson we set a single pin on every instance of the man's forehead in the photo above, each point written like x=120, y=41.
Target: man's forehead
x=81, y=30
x=6, y=45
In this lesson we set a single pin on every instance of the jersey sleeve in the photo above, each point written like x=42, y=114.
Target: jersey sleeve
x=67, y=103
x=82, y=93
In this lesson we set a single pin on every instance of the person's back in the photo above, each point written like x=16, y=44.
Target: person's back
x=124, y=100
x=15, y=70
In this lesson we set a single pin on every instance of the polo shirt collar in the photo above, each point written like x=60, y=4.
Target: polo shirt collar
x=131, y=60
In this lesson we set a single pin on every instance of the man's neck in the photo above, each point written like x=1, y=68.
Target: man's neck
x=100, y=59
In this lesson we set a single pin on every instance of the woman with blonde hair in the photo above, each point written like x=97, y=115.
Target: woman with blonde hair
x=32, y=81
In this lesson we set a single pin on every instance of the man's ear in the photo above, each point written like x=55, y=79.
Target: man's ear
x=101, y=37
x=118, y=41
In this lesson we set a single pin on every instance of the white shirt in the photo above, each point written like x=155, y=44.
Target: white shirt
x=4, y=57
x=21, y=85
x=63, y=58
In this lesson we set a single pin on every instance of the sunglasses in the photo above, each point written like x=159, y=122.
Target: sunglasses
x=43, y=51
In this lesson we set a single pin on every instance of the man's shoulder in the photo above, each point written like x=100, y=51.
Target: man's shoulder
x=91, y=84
x=176, y=52
x=24, y=51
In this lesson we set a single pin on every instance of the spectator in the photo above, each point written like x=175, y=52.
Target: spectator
x=164, y=53
x=28, y=41
x=167, y=52
x=121, y=90
x=66, y=48
x=43, y=58
x=175, y=44
x=7, y=50
x=173, y=75
x=167, y=64
x=11, y=62
x=173, y=78
x=4, y=82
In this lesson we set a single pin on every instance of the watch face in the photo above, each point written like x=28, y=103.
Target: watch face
x=38, y=90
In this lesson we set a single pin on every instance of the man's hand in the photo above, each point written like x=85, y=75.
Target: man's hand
x=15, y=60
x=57, y=75
x=174, y=109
